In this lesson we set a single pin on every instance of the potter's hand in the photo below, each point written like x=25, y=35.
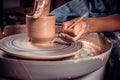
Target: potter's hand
x=39, y=7
x=71, y=34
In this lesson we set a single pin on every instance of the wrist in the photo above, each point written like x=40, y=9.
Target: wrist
x=86, y=25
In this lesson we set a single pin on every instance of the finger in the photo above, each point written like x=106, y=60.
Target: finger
x=80, y=33
x=70, y=32
x=66, y=25
x=66, y=37
x=76, y=29
x=38, y=12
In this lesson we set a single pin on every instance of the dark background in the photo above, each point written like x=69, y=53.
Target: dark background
x=13, y=11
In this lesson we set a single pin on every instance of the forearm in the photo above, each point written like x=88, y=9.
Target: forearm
x=104, y=24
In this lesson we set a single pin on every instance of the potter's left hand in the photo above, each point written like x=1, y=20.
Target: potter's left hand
x=75, y=33
x=39, y=7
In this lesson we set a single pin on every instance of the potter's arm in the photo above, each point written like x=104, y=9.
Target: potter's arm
x=39, y=7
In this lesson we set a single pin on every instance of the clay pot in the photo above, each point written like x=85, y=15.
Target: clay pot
x=41, y=31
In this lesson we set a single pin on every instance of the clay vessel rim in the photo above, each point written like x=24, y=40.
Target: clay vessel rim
x=31, y=15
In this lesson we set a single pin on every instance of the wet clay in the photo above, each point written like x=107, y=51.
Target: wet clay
x=41, y=31
x=41, y=24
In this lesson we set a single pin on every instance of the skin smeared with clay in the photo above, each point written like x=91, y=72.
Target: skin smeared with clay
x=41, y=8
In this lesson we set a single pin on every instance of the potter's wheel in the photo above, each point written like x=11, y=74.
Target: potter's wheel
x=18, y=45
x=64, y=69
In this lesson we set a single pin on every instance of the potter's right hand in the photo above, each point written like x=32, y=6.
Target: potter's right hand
x=75, y=33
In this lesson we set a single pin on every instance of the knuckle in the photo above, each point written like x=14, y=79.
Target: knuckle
x=74, y=39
